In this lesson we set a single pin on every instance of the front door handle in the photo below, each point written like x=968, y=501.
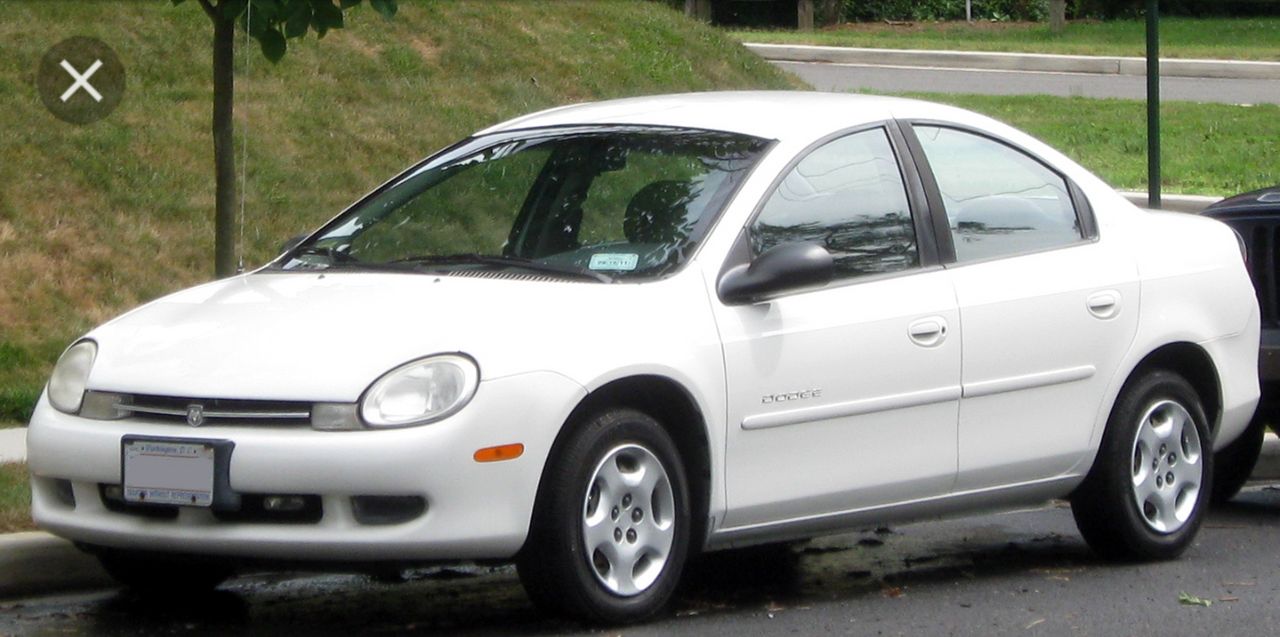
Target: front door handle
x=1105, y=304
x=928, y=332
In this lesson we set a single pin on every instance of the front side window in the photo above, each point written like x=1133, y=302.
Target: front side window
x=602, y=203
x=999, y=201
x=847, y=196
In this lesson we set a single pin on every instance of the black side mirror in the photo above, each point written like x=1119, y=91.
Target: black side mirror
x=292, y=242
x=782, y=268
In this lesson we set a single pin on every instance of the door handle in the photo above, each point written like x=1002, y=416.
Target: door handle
x=928, y=332
x=1105, y=304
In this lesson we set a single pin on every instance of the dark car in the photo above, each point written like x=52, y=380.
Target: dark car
x=1256, y=217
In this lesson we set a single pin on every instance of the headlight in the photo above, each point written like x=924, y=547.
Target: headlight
x=66, y=386
x=420, y=392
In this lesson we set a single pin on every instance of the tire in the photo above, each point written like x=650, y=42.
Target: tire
x=1234, y=463
x=161, y=574
x=1126, y=508
x=610, y=529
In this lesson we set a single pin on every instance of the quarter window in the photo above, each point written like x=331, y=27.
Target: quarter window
x=999, y=201
x=847, y=196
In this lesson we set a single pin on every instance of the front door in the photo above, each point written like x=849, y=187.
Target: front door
x=845, y=397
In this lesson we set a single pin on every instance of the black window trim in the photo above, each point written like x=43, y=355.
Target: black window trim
x=917, y=201
x=938, y=212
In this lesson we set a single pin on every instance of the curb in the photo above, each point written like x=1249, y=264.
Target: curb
x=1173, y=203
x=13, y=444
x=1034, y=62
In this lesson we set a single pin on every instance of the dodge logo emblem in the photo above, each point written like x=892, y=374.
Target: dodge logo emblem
x=195, y=415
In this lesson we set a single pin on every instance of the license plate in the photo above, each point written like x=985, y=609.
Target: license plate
x=157, y=472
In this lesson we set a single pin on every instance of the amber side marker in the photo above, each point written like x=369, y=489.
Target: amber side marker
x=499, y=453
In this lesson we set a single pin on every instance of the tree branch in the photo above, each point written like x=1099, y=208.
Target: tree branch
x=209, y=10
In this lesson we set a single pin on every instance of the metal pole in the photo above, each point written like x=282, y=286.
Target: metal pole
x=968, y=10
x=1153, y=104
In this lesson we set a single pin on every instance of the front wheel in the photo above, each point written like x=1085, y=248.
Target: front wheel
x=610, y=529
x=1147, y=492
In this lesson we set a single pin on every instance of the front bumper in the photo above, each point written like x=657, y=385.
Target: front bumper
x=473, y=510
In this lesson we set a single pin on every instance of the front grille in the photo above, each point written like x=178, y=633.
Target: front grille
x=214, y=411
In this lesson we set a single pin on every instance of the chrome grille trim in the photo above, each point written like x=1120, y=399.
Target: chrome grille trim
x=177, y=409
x=182, y=413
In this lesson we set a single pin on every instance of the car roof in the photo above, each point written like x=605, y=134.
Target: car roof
x=767, y=114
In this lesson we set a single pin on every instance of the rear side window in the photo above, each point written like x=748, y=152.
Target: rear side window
x=847, y=196
x=999, y=201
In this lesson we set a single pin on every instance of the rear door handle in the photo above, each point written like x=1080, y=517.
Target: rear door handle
x=1104, y=304
x=928, y=332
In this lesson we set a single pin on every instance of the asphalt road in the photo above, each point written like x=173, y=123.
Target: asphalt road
x=847, y=77
x=1023, y=573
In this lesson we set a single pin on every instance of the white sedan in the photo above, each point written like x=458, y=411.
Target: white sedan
x=599, y=339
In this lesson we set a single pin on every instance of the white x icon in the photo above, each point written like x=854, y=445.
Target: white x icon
x=82, y=81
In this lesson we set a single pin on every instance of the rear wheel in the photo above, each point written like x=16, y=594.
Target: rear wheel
x=1234, y=463
x=1146, y=494
x=163, y=574
x=611, y=526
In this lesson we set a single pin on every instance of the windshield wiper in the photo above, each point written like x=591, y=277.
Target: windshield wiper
x=339, y=259
x=506, y=262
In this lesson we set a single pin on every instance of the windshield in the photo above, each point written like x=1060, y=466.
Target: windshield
x=593, y=203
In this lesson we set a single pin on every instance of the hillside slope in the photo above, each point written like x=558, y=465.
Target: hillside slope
x=96, y=219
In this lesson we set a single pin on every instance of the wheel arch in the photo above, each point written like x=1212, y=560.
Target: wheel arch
x=1193, y=363
x=675, y=408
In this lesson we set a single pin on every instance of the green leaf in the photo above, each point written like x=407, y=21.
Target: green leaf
x=231, y=9
x=254, y=22
x=324, y=16
x=1191, y=600
x=347, y=4
x=177, y=2
x=268, y=11
x=273, y=44
x=299, y=20
x=386, y=7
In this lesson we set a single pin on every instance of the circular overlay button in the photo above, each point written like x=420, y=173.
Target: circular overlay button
x=80, y=80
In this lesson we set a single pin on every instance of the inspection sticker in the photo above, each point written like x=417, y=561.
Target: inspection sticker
x=614, y=261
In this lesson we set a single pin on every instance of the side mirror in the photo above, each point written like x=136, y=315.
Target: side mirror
x=782, y=268
x=292, y=242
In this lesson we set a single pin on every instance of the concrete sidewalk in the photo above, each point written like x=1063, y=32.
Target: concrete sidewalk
x=1034, y=62
x=13, y=444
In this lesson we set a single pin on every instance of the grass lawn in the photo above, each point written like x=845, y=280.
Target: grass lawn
x=15, y=498
x=1221, y=38
x=1209, y=149
x=97, y=219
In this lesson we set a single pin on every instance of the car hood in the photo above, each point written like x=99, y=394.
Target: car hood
x=326, y=337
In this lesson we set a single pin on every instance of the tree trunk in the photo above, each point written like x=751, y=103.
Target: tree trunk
x=1057, y=15
x=224, y=158
x=804, y=15
x=698, y=9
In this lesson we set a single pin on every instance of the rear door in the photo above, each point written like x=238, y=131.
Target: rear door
x=1047, y=308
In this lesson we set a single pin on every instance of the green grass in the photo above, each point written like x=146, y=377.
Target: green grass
x=97, y=219
x=15, y=498
x=1222, y=38
x=1213, y=149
